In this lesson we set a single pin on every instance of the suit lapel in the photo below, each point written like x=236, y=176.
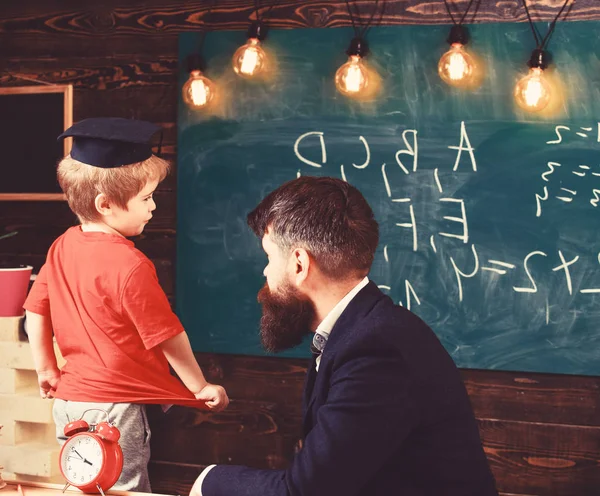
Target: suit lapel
x=308, y=398
x=311, y=376
x=360, y=305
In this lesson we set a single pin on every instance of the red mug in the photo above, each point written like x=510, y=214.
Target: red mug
x=14, y=283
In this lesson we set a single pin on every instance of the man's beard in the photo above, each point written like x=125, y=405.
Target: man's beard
x=286, y=317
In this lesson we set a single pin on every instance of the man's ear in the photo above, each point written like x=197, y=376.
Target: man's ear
x=102, y=204
x=302, y=264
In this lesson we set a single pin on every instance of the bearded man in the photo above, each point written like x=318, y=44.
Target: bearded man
x=385, y=411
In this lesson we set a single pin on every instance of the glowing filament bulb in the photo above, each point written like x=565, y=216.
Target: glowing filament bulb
x=198, y=90
x=249, y=59
x=533, y=92
x=351, y=78
x=456, y=67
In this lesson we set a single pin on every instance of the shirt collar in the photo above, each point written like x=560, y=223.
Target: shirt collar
x=324, y=328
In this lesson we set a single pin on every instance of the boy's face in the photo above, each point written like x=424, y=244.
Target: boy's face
x=132, y=221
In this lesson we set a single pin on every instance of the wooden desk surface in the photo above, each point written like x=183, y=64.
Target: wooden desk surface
x=44, y=489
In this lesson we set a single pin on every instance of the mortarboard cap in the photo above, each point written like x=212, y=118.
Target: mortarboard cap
x=109, y=142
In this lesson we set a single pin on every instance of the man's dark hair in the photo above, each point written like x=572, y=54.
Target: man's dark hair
x=326, y=216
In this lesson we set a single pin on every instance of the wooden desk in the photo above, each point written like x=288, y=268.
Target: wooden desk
x=46, y=489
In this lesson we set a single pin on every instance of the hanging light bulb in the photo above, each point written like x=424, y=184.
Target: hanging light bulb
x=198, y=90
x=351, y=79
x=457, y=67
x=533, y=92
x=250, y=59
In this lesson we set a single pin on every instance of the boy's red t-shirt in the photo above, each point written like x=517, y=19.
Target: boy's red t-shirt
x=108, y=313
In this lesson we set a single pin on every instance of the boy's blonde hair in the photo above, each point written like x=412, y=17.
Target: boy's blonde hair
x=81, y=183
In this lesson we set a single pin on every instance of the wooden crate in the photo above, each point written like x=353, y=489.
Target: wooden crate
x=28, y=447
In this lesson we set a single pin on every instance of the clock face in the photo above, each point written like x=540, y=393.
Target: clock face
x=82, y=458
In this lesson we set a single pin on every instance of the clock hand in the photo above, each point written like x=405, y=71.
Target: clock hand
x=84, y=460
x=77, y=453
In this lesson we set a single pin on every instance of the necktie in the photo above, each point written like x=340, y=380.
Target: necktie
x=318, y=343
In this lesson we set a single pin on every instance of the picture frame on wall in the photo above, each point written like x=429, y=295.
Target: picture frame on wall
x=31, y=119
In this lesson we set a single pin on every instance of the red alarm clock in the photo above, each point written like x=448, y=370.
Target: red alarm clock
x=91, y=459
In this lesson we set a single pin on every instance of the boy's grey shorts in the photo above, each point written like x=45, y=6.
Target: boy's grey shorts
x=132, y=422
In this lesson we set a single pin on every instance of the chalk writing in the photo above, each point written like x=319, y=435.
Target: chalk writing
x=560, y=129
x=312, y=146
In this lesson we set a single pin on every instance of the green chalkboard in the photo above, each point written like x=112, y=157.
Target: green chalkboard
x=489, y=218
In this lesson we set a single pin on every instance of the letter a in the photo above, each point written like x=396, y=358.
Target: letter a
x=464, y=138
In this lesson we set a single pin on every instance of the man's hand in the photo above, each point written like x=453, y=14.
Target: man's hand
x=214, y=397
x=48, y=381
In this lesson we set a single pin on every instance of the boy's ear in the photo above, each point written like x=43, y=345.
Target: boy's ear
x=102, y=204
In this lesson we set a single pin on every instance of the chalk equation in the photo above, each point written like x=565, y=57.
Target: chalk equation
x=557, y=189
x=406, y=159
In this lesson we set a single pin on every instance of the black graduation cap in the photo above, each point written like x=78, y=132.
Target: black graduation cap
x=110, y=142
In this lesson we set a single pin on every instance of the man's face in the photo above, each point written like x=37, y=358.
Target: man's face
x=287, y=314
x=277, y=262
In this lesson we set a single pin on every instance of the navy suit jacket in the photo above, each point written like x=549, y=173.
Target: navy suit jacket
x=386, y=414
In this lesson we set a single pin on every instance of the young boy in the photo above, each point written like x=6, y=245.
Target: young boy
x=101, y=299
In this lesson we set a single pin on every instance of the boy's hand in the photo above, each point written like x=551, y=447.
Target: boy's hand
x=48, y=381
x=214, y=397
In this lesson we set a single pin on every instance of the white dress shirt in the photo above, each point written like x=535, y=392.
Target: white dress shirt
x=326, y=325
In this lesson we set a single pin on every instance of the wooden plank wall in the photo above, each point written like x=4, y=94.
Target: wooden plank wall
x=541, y=432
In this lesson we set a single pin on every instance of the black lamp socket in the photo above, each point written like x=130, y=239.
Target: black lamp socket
x=539, y=58
x=359, y=47
x=257, y=30
x=195, y=62
x=458, y=34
